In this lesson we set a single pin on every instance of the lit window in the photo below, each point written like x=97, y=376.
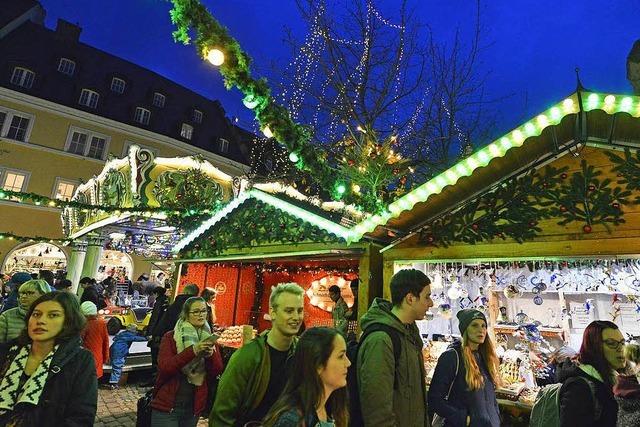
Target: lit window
x=86, y=143
x=14, y=181
x=22, y=77
x=187, y=131
x=197, y=116
x=142, y=115
x=64, y=189
x=223, y=145
x=117, y=85
x=66, y=66
x=89, y=98
x=158, y=100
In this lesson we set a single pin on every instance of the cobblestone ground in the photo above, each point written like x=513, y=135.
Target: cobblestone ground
x=118, y=407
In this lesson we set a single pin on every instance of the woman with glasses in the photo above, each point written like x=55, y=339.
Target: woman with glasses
x=586, y=395
x=13, y=321
x=188, y=363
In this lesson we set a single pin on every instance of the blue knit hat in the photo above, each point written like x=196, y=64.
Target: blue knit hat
x=20, y=277
x=468, y=315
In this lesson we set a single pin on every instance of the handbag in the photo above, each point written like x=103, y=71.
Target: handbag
x=143, y=416
x=438, y=421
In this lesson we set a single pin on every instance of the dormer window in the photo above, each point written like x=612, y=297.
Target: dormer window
x=223, y=145
x=66, y=66
x=186, y=131
x=197, y=116
x=89, y=98
x=117, y=85
x=142, y=116
x=22, y=77
x=158, y=100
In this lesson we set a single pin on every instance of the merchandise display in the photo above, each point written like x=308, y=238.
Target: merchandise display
x=233, y=336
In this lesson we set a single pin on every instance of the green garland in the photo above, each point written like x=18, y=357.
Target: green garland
x=191, y=15
x=514, y=209
x=34, y=239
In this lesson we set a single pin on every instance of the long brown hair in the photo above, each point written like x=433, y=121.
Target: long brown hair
x=591, y=351
x=305, y=389
x=474, y=377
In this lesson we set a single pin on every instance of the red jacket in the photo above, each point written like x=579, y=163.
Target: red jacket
x=95, y=338
x=170, y=364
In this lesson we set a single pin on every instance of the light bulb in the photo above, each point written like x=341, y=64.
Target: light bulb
x=216, y=57
x=250, y=102
x=294, y=157
x=267, y=132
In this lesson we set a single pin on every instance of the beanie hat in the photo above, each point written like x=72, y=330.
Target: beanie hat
x=88, y=308
x=20, y=277
x=468, y=315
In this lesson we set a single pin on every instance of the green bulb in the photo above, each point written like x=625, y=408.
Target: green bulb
x=341, y=188
x=294, y=157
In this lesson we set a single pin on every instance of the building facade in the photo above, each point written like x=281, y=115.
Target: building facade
x=67, y=107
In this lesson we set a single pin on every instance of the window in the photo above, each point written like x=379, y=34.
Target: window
x=15, y=125
x=186, y=131
x=63, y=189
x=14, y=180
x=117, y=85
x=223, y=145
x=197, y=116
x=66, y=66
x=22, y=77
x=89, y=98
x=158, y=100
x=142, y=115
x=86, y=143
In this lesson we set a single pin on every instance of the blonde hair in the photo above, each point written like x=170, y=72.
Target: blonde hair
x=474, y=377
x=632, y=353
x=39, y=285
x=280, y=288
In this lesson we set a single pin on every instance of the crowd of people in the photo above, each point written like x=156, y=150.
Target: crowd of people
x=53, y=346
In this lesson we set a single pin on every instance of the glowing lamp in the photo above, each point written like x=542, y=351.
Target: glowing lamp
x=250, y=102
x=216, y=57
x=294, y=157
x=267, y=132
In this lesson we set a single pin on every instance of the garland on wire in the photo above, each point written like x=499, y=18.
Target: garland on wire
x=40, y=200
x=275, y=120
x=35, y=239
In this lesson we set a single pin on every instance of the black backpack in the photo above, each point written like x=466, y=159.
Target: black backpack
x=355, y=410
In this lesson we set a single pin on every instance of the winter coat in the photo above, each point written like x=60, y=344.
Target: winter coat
x=70, y=395
x=11, y=301
x=95, y=338
x=122, y=342
x=382, y=404
x=159, y=308
x=480, y=405
x=294, y=418
x=12, y=322
x=627, y=393
x=576, y=404
x=170, y=363
x=243, y=384
x=90, y=293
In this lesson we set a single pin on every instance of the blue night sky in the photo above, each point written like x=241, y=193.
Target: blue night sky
x=532, y=47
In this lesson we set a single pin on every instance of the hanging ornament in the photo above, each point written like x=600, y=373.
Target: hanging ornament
x=522, y=318
x=428, y=316
x=588, y=305
x=444, y=311
x=512, y=291
x=537, y=300
x=536, y=290
x=454, y=292
x=587, y=228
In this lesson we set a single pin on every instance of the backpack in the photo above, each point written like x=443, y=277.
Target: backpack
x=355, y=410
x=546, y=409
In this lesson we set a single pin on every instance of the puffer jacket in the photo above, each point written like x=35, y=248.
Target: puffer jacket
x=577, y=407
x=627, y=393
x=70, y=395
x=382, y=404
x=12, y=322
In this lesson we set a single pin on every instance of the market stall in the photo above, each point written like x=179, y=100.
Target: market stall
x=540, y=229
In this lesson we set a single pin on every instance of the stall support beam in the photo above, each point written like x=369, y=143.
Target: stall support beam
x=76, y=262
x=92, y=259
x=371, y=278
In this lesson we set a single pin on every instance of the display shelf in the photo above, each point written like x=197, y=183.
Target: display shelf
x=545, y=332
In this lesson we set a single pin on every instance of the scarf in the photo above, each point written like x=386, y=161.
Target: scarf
x=186, y=335
x=10, y=395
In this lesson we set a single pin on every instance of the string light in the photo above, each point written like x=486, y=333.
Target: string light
x=215, y=57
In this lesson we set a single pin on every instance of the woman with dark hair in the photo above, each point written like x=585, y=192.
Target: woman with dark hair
x=316, y=393
x=188, y=364
x=463, y=387
x=586, y=396
x=46, y=377
x=209, y=295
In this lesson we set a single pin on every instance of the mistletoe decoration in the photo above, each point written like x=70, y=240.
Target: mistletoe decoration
x=344, y=179
x=514, y=209
x=255, y=224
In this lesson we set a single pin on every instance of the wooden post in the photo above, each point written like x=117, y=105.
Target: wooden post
x=370, y=272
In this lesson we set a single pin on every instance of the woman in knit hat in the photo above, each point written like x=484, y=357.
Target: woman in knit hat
x=13, y=321
x=463, y=387
x=95, y=337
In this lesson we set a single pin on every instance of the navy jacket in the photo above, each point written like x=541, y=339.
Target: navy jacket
x=480, y=406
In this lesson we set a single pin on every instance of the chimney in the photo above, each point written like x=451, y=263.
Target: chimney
x=68, y=31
